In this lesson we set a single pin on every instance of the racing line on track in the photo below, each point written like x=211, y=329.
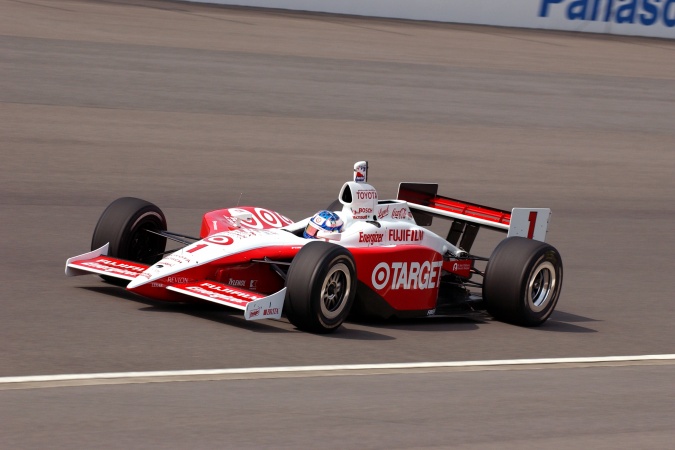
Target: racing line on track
x=46, y=381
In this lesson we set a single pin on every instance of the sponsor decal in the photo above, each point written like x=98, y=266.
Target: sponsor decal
x=237, y=283
x=255, y=312
x=382, y=213
x=360, y=173
x=176, y=258
x=370, y=194
x=370, y=237
x=178, y=280
x=156, y=285
x=400, y=213
x=260, y=218
x=407, y=275
x=431, y=312
x=253, y=285
x=461, y=266
x=640, y=12
x=406, y=235
x=362, y=210
x=220, y=239
x=217, y=295
x=121, y=265
x=270, y=311
x=269, y=217
x=226, y=290
x=360, y=217
x=112, y=269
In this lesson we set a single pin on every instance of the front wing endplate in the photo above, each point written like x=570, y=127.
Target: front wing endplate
x=256, y=306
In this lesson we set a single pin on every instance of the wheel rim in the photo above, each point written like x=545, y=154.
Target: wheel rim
x=144, y=246
x=335, y=291
x=541, y=286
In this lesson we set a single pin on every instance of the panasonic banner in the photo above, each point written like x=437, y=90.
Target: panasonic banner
x=653, y=18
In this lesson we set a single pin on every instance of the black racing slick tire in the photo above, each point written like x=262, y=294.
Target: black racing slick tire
x=123, y=225
x=320, y=287
x=523, y=280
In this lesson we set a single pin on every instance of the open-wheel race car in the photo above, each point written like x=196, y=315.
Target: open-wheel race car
x=376, y=260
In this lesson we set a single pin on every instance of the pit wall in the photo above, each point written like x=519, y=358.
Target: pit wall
x=651, y=18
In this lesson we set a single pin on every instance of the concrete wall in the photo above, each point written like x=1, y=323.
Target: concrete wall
x=653, y=18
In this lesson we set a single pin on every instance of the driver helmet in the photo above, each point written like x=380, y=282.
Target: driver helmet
x=323, y=220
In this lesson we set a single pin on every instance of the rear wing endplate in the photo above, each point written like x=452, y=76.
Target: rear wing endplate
x=425, y=204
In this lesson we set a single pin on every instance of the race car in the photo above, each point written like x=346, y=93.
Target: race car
x=380, y=259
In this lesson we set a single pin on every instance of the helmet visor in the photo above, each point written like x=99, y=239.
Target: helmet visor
x=311, y=230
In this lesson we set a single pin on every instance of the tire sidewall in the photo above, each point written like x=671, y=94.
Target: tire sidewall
x=305, y=281
x=529, y=314
x=120, y=223
x=316, y=300
x=507, y=280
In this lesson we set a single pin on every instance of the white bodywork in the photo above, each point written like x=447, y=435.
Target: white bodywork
x=368, y=222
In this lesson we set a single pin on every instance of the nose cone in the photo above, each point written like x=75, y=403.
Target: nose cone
x=140, y=280
x=159, y=270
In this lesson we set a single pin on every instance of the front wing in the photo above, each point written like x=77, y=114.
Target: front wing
x=256, y=306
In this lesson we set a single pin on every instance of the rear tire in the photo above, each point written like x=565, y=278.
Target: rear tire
x=123, y=226
x=523, y=280
x=320, y=287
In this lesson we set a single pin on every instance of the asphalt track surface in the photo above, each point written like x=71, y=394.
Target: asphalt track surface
x=194, y=107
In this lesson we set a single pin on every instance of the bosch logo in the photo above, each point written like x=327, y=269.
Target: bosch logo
x=404, y=275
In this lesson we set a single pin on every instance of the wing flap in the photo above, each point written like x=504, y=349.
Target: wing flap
x=256, y=306
x=422, y=198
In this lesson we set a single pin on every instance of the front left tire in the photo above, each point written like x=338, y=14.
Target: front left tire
x=320, y=287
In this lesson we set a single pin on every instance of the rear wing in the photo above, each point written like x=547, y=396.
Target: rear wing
x=425, y=204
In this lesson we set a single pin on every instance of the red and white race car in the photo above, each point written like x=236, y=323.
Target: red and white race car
x=383, y=264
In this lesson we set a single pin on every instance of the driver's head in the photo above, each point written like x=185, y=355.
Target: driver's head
x=323, y=220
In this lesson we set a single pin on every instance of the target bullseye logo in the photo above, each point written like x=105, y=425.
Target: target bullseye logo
x=220, y=240
x=380, y=275
x=407, y=275
x=269, y=217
